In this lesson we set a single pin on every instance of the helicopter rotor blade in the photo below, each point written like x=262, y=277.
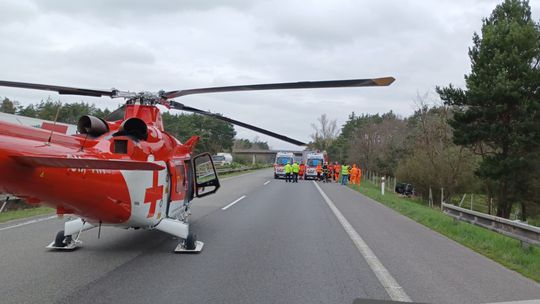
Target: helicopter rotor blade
x=375, y=82
x=180, y=106
x=60, y=89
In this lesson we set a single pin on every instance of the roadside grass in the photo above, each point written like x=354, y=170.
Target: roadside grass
x=500, y=248
x=23, y=213
x=231, y=174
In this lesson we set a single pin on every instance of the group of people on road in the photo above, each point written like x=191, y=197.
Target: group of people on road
x=291, y=172
x=342, y=174
x=326, y=172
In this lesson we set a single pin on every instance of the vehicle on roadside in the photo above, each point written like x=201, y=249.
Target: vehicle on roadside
x=404, y=189
x=312, y=159
x=222, y=159
x=282, y=158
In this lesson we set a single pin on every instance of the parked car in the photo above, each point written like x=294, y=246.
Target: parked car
x=404, y=189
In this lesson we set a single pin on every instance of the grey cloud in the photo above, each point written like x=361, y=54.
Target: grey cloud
x=152, y=45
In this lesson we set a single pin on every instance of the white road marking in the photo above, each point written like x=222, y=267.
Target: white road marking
x=266, y=183
x=231, y=204
x=394, y=290
x=29, y=222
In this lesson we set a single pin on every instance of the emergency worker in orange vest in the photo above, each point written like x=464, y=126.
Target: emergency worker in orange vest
x=355, y=175
x=302, y=170
x=337, y=169
x=319, y=171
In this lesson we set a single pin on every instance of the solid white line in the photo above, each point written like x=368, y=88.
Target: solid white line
x=394, y=290
x=266, y=183
x=29, y=222
x=236, y=201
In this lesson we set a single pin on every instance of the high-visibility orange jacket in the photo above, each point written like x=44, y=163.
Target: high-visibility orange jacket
x=319, y=168
x=354, y=172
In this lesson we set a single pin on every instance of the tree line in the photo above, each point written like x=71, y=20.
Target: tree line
x=484, y=138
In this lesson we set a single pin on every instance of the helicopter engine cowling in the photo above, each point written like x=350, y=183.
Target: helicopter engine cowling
x=92, y=126
x=135, y=127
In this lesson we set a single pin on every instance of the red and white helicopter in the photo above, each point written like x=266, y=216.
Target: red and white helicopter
x=127, y=171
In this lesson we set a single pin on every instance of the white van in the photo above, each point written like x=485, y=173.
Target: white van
x=222, y=159
x=282, y=158
x=313, y=159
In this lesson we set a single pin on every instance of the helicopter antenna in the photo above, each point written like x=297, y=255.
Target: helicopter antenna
x=84, y=142
x=54, y=123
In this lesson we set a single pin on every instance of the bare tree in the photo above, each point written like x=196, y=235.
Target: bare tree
x=325, y=133
x=434, y=160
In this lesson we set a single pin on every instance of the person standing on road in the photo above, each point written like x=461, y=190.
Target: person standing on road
x=337, y=170
x=344, y=174
x=295, y=170
x=325, y=172
x=288, y=171
x=302, y=170
x=355, y=172
x=319, y=171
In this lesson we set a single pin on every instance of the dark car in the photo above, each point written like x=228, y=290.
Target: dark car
x=404, y=189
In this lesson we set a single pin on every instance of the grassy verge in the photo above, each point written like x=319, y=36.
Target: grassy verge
x=500, y=248
x=221, y=175
x=22, y=213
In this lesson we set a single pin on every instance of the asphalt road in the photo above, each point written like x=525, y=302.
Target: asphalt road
x=282, y=243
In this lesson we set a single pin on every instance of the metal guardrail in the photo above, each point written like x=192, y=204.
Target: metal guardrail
x=240, y=169
x=523, y=232
x=231, y=170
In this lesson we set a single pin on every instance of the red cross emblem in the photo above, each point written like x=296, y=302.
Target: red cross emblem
x=153, y=195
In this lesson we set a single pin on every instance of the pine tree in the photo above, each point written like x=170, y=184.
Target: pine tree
x=499, y=110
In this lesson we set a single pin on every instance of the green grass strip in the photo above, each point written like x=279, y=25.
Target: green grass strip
x=502, y=249
x=23, y=213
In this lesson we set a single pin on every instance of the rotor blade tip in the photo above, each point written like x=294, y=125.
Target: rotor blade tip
x=385, y=81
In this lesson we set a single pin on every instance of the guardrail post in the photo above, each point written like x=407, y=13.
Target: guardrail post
x=382, y=185
x=471, y=200
x=442, y=197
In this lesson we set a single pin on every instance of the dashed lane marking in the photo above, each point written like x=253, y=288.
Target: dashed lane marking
x=231, y=204
x=29, y=222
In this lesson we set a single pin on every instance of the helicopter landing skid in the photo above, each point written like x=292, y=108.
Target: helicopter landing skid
x=181, y=248
x=69, y=247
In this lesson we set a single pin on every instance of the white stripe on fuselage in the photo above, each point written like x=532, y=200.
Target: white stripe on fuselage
x=138, y=182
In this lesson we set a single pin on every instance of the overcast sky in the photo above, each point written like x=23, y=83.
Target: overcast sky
x=151, y=45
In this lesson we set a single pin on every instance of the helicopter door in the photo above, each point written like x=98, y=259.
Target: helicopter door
x=178, y=187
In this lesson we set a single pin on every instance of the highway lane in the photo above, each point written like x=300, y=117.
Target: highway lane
x=430, y=267
x=281, y=243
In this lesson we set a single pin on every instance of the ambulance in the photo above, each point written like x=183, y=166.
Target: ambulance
x=282, y=158
x=312, y=159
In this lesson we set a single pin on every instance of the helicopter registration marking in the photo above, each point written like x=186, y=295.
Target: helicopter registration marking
x=83, y=170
